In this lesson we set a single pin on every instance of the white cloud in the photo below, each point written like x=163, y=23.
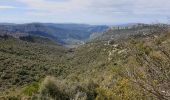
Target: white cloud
x=93, y=10
x=52, y=5
x=6, y=7
x=95, y=6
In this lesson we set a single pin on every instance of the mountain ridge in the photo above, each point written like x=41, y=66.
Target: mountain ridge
x=56, y=32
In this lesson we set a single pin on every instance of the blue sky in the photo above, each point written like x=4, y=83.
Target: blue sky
x=85, y=11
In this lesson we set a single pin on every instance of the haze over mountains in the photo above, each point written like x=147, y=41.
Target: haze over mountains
x=76, y=34
x=60, y=33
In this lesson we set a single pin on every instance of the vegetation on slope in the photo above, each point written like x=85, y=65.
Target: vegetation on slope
x=134, y=68
x=25, y=62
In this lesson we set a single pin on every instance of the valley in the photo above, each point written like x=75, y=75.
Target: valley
x=61, y=33
x=119, y=63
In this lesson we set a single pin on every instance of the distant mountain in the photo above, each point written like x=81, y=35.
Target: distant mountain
x=60, y=33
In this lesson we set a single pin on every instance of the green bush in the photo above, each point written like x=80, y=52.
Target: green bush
x=51, y=88
x=31, y=89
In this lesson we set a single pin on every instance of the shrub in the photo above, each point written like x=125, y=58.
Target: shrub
x=121, y=90
x=51, y=88
x=31, y=89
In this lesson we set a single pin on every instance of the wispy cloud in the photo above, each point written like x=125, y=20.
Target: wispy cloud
x=93, y=10
x=7, y=7
x=55, y=5
x=98, y=5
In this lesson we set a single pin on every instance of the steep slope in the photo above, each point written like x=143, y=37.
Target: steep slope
x=135, y=67
x=130, y=68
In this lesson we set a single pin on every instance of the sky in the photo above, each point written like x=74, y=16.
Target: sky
x=85, y=11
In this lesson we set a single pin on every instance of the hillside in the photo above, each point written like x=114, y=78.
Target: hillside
x=23, y=62
x=131, y=67
x=135, y=67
